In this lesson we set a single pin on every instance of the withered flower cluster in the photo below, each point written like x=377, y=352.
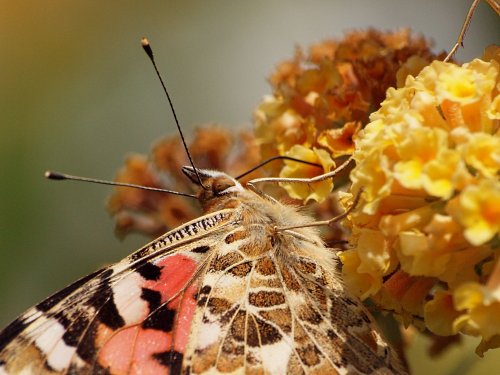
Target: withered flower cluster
x=153, y=213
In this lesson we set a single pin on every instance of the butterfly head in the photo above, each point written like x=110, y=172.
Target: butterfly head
x=215, y=184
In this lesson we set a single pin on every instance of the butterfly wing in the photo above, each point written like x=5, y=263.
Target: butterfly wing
x=131, y=317
x=333, y=331
x=280, y=312
x=226, y=293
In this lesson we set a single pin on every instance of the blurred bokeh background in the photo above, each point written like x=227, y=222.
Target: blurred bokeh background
x=78, y=94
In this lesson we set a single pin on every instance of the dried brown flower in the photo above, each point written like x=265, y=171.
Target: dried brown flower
x=324, y=98
x=153, y=213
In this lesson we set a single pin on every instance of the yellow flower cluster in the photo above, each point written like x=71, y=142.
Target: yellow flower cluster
x=316, y=190
x=321, y=100
x=426, y=238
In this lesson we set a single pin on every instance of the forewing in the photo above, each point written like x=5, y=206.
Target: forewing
x=132, y=317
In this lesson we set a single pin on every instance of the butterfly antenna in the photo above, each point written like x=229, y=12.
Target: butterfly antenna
x=63, y=176
x=149, y=51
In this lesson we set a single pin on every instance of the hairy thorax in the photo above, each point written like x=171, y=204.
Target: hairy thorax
x=260, y=221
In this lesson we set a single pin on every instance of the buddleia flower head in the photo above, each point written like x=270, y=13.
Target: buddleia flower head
x=425, y=237
x=322, y=99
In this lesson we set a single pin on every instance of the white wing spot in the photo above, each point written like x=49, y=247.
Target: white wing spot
x=60, y=356
x=209, y=334
x=275, y=357
x=127, y=297
x=51, y=344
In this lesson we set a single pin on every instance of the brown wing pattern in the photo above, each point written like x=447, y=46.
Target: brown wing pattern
x=263, y=309
x=335, y=328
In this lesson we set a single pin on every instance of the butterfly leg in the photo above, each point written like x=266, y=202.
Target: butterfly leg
x=251, y=184
x=330, y=221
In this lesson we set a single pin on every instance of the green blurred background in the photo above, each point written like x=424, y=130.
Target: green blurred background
x=78, y=94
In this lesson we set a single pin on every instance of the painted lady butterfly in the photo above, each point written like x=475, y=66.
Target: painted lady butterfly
x=248, y=288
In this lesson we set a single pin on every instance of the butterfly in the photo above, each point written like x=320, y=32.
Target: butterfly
x=227, y=292
x=247, y=288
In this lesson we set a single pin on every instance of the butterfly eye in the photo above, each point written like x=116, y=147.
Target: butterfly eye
x=222, y=184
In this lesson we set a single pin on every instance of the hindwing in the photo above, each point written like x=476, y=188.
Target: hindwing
x=268, y=308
